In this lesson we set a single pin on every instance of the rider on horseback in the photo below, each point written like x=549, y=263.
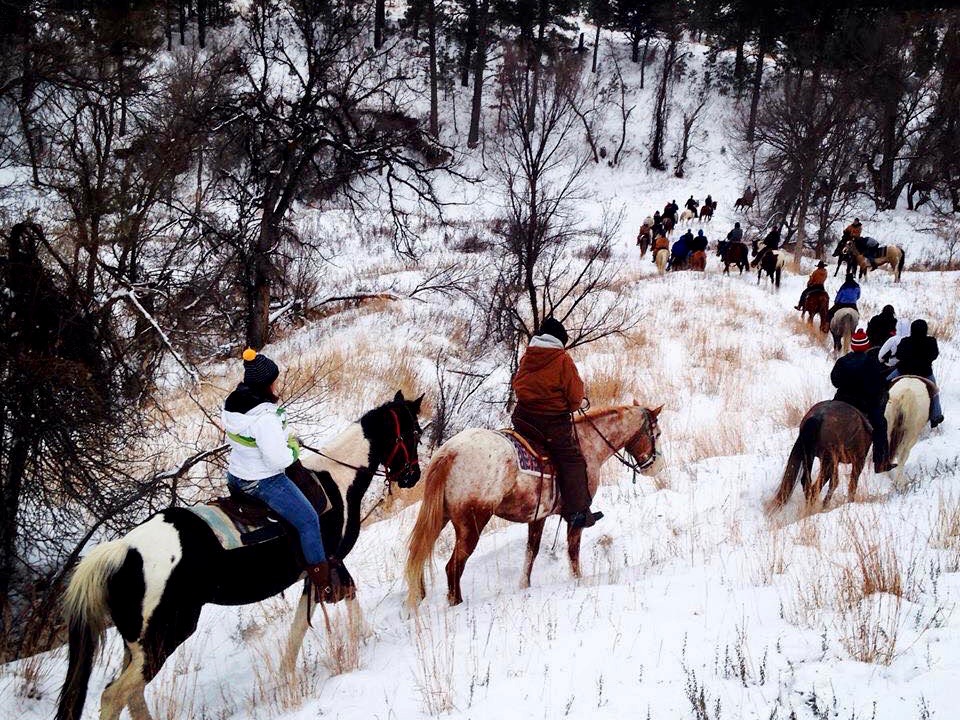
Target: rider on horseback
x=261, y=451
x=814, y=284
x=915, y=356
x=699, y=243
x=681, y=250
x=660, y=242
x=860, y=379
x=882, y=326
x=691, y=205
x=735, y=235
x=847, y=296
x=549, y=389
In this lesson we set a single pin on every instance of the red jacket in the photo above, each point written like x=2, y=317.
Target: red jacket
x=547, y=381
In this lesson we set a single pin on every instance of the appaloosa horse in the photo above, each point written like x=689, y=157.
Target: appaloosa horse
x=153, y=582
x=474, y=476
x=836, y=433
x=907, y=412
x=842, y=326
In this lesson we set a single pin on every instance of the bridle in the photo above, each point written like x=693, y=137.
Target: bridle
x=648, y=432
x=411, y=463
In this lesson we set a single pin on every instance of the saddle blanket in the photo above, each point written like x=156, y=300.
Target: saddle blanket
x=528, y=460
x=231, y=533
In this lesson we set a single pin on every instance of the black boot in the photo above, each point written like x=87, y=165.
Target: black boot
x=584, y=518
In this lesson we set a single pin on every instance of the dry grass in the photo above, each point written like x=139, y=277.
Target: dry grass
x=345, y=630
x=433, y=639
x=945, y=533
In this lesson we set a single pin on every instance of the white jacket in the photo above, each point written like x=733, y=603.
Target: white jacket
x=258, y=446
x=888, y=352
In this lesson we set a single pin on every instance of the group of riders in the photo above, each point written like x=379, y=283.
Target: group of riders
x=548, y=390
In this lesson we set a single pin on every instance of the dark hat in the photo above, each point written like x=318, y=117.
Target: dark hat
x=888, y=310
x=736, y=225
x=552, y=326
x=258, y=369
x=856, y=221
x=859, y=342
x=821, y=264
x=918, y=328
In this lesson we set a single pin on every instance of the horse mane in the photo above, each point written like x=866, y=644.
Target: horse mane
x=601, y=413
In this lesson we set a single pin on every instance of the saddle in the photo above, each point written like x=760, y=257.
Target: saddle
x=932, y=389
x=241, y=519
x=530, y=458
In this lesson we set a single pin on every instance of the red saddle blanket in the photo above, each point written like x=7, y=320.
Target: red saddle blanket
x=529, y=458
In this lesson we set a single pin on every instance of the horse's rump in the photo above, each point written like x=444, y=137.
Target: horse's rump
x=932, y=388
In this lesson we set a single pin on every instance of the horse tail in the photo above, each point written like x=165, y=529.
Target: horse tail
x=430, y=522
x=903, y=259
x=86, y=610
x=799, y=457
x=897, y=430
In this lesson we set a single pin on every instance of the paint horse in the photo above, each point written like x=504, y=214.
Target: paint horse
x=153, y=582
x=475, y=475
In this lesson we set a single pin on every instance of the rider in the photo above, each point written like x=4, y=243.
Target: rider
x=699, y=243
x=660, y=242
x=815, y=283
x=882, y=326
x=681, y=250
x=860, y=379
x=644, y=230
x=691, y=204
x=708, y=202
x=854, y=229
x=261, y=451
x=549, y=389
x=735, y=235
x=671, y=209
x=772, y=240
x=847, y=296
x=915, y=356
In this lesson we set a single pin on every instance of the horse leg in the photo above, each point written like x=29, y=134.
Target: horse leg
x=301, y=620
x=127, y=687
x=468, y=531
x=573, y=549
x=856, y=467
x=534, y=535
x=828, y=473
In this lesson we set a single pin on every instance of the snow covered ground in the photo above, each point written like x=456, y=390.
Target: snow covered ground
x=693, y=602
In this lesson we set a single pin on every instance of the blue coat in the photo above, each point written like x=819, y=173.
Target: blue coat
x=848, y=294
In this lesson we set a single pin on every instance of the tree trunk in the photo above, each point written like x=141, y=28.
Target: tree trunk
x=803, y=204
x=202, y=23
x=757, y=85
x=469, y=43
x=738, y=64
x=379, y=22
x=596, y=49
x=660, y=108
x=432, y=43
x=643, y=63
x=479, y=64
x=19, y=452
x=183, y=22
x=635, y=48
x=258, y=287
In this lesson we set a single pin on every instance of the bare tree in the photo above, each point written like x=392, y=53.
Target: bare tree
x=661, y=105
x=691, y=117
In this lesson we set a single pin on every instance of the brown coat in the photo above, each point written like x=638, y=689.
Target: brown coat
x=661, y=243
x=817, y=277
x=547, y=382
x=854, y=230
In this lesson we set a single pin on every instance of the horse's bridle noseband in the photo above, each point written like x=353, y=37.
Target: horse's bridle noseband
x=407, y=475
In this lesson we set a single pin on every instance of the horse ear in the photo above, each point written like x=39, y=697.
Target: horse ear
x=636, y=403
x=398, y=397
x=415, y=404
x=656, y=411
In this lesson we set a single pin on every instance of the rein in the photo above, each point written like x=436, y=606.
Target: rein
x=633, y=464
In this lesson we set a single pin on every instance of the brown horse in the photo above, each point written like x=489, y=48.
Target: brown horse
x=668, y=224
x=892, y=255
x=643, y=241
x=474, y=476
x=697, y=261
x=836, y=433
x=706, y=212
x=733, y=254
x=817, y=303
x=745, y=202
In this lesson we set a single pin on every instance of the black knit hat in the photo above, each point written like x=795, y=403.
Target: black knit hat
x=918, y=328
x=258, y=369
x=552, y=326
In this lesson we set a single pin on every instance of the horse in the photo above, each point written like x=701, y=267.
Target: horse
x=907, y=412
x=733, y=254
x=844, y=322
x=661, y=258
x=835, y=432
x=844, y=257
x=668, y=224
x=643, y=242
x=745, y=202
x=892, y=255
x=474, y=476
x=706, y=212
x=153, y=582
x=818, y=303
x=697, y=261
x=770, y=262
x=688, y=214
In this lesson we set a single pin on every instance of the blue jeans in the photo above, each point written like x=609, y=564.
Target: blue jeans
x=285, y=499
x=936, y=410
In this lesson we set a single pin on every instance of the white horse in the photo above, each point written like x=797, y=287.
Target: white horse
x=687, y=214
x=661, y=258
x=842, y=326
x=907, y=412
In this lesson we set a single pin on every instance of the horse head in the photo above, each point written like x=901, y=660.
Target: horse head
x=642, y=447
x=394, y=433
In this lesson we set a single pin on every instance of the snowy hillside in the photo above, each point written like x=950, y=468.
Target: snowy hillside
x=694, y=603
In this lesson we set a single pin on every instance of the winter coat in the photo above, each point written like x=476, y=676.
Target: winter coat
x=772, y=240
x=848, y=294
x=691, y=205
x=855, y=231
x=915, y=355
x=680, y=248
x=880, y=328
x=661, y=243
x=547, y=380
x=888, y=353
x=861, y=380
x=256, y=434
x=699, y=243
x=644, y=230
x=817, y=277
x=687, y=238
x=735, y=235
